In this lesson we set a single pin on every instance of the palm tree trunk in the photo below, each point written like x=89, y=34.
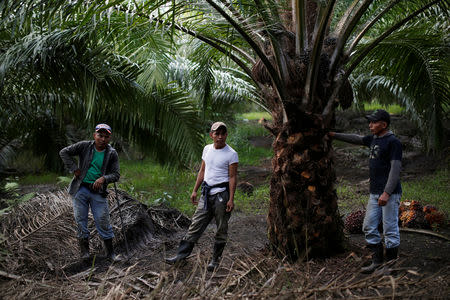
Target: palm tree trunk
x=303, y=215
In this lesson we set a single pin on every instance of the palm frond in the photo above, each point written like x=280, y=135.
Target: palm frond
x=103, y=87
x=8, y=149
x=413, y=68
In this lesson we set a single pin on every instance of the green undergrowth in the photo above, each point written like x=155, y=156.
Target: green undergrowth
x=43, y=178
x=349, y=199
x=391, y=108
x=431, y=189
x=257, y=115
x=152, y=184
x=256, y=203
x=239, y=139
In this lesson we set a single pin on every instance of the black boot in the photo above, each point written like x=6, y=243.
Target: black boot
x=110, y=254
x=391, y=253
x=217, y=254
x=84, y=248
x=377, y=258
x=184, y=249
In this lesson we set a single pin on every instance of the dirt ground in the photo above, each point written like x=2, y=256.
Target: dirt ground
x=247, y=270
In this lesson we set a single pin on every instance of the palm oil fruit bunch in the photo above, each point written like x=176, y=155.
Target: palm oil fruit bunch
x=413, y=215
x=354, y=221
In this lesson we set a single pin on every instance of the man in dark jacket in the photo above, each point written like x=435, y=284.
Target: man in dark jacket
x=98, y=165
x=385, y=162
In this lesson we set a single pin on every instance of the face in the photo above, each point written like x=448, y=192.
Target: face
x=219, y=138
x=101, y=139
x=378, y=127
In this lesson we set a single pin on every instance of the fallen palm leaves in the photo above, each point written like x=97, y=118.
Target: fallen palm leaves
x=243, y=274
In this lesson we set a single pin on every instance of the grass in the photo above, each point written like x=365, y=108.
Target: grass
x=257, y=115
x=151, y=183
x=391, y=108
x=432, y=189
x=44, y=178
x=256, y=203
x=238, y=139
x=349, y=199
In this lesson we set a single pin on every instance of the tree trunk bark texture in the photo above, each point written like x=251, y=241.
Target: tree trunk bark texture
x=303, y=219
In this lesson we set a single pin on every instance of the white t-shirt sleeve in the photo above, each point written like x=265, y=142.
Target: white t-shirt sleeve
x=234, y=158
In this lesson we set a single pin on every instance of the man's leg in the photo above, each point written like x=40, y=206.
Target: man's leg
x=222, y=217
x=100, y=211
x=200, y=221
x=391, y=230
x=373, y=237
x=80, y=211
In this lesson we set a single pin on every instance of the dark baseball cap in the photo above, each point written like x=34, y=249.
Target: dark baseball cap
x=103, y=127
x=379, y=115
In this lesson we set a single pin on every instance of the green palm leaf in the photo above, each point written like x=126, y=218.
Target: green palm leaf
x=99, y=85
x=413, y=69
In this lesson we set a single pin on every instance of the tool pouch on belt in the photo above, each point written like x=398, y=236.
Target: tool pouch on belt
x=207, y=188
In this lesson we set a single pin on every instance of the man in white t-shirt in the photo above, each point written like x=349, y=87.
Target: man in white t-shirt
x=217, y=177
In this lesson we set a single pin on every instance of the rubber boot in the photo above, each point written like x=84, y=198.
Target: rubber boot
x=377, y=258
x=84, y=248
x=391, y=253
x=110, y=254
x=217, y=254
x=184, y=250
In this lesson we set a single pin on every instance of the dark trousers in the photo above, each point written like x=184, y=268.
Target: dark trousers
x=217, y=205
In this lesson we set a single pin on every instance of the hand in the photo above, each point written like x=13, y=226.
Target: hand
x=194, y=198
x=77, y=173
x=230, y=206
x=98, y=183
x=331, y=133
x=382, y=201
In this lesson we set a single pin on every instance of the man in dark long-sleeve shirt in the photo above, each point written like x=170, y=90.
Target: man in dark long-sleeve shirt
x=385, y=188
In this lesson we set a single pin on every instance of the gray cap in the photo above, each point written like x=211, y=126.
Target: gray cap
x=216, y=126
x=379, y=115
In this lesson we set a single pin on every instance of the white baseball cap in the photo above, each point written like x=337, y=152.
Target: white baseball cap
x=216, y=126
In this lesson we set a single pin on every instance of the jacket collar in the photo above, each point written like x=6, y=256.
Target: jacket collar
x=107, y=149
x=384, y=135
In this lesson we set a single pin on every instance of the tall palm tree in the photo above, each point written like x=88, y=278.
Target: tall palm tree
x=300, y=54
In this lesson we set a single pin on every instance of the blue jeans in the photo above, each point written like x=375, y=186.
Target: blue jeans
x=100, y=210
x=389, y=215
